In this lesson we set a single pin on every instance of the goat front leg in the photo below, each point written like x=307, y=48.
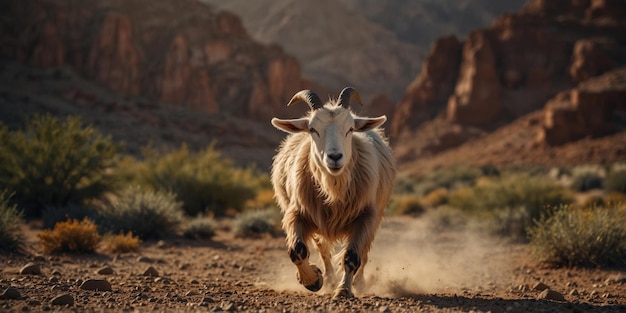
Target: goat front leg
x=361, y=235
x=309, y=275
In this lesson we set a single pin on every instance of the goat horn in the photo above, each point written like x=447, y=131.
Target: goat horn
x=308, y=96
x=347, y=94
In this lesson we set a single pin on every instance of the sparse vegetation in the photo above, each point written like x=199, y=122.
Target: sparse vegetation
x=70, y=236
x=11, y=239
x=587, y=177
x=121, y=243
x=200, y=228
x=406, y=205
x=147, y=213
x=54, y=162
x=535, y=193
x=255, y=223
x=205, y=182
x=615, y=181
x=581, y=237
x=450, y=178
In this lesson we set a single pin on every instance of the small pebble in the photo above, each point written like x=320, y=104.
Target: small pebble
x=96, y=284
x=30, y=269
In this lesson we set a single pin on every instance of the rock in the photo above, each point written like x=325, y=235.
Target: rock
x=63, y=299
x=586, y=110
x=429, y=93
x=106, y=270
x=540, y=286
x=150, y=271
x=30, y=269
x=476, y=100
x=229, y=306
x=96, y=284
x=10, y=293
x=550, y=294
x=574, y=292
x=145, y=259
x=590, y=58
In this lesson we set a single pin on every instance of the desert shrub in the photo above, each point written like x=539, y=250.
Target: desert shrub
x=54, y=162
x=587, y=177
x=200, y=228
x=11, y=239
x=70, y=236
x=511, y=223
x=148, y=214
x=406, y=205
x=264, y=199
x=436, y=197
x=510, y=203
x=254, y=223
x=121, y=243
x=205, y=182
x=615, y=181
x=53, y=214
x=446, y=217
x=449, y=178
x=581, y=237
x=535, y=193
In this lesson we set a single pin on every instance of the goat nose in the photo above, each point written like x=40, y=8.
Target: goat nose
x=335, y=156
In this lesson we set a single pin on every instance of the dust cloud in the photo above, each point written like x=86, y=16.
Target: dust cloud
x=409, y=257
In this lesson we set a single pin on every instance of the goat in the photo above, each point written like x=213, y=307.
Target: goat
x=333, y=176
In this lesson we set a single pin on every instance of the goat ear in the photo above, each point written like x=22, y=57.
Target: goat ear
x=291, y=126
x=362, y=124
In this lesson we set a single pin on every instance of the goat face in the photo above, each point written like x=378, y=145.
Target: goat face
x=331, y=129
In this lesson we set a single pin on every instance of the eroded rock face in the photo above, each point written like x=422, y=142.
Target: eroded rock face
x=205, y=61
x=523, y=60
x=429, y=92
x=476, y=99
x=595, y=108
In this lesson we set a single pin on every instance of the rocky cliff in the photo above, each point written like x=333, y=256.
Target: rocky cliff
x=179, y=52
x=512, y=68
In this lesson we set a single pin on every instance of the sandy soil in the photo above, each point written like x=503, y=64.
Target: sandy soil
x=411, y=269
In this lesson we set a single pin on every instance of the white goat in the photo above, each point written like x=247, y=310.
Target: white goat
x=332, y=177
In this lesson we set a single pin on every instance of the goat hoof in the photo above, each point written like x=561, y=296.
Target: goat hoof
x=342, y=293
x=317, y=284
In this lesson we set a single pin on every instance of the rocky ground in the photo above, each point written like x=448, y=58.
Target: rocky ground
x=412, y=268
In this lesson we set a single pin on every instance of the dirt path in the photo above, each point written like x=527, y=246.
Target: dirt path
x=411, y=269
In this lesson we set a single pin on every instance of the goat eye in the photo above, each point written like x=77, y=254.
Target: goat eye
x=350, y=130
x=313, y=131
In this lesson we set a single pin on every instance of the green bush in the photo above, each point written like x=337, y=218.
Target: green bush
x=146, y=213
x=53, y=214
x=581, y=237
x=450, y=178
x=11, y=239
x=255, y=223
x=205, y=182
x=587, y=177
x=406, y=205
x=615, y=181
x=54, y=162
x=535, y=193
x=200, y=228
x=509, y=204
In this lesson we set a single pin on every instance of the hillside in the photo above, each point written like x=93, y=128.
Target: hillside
x=528, y=75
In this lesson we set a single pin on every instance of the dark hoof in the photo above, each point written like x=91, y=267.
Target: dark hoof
x=317, y=285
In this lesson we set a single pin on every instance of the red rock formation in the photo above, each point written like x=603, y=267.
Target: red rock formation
x=114, y=60
x=204, y=61
x=476, y=99
x=587, y=110
x=429, y=92
x=513, y=67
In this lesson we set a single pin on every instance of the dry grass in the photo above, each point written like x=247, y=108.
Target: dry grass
x=70, y=236
x=121, y=243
